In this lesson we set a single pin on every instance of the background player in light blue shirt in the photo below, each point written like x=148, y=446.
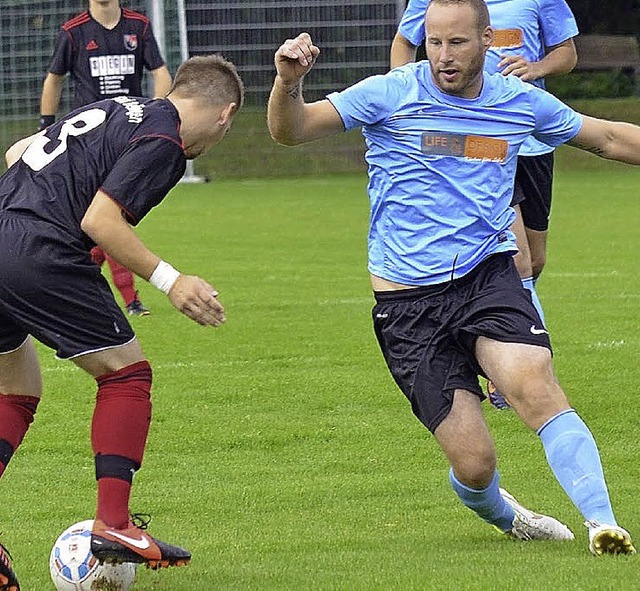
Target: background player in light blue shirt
x=532, y=39
x=442, y=139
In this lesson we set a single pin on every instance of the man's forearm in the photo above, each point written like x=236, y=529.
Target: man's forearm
x=51, y=94
x=161, y=82
x=560, y=60
x=285, y=111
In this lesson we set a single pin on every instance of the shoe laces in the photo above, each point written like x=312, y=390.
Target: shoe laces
x=141, y=520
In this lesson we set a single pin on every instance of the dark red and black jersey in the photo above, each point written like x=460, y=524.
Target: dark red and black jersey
x=105, y=62
x=128, y=147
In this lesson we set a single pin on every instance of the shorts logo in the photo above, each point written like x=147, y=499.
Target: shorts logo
x=473, y=147
x=535, y=330
x=507, y=38
x=131, y=42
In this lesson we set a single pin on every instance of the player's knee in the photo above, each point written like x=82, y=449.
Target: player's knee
x=477, y=468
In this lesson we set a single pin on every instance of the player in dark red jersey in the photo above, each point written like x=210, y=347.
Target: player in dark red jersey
x=105, y=49
x=85, y=181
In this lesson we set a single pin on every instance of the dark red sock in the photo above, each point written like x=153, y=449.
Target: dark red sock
x=123, y=280
x=118, y=436
x=16, y=414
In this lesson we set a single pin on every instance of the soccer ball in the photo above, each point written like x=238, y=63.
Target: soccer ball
x=74, y=568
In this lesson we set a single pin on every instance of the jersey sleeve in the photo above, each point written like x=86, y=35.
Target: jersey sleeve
x=371, y=100
x=556, y=123
x=411, y=25
x=61, y=60
x=151, y=53
x=143, y=175
x=557, y=22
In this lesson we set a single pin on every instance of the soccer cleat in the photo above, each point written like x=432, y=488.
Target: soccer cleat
x=137, y=308
x=495, y=398
x=8, y=579
x=132, y=544
x=609, y=539
x=528, y=525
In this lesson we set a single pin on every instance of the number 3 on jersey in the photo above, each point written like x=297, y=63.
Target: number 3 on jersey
x=36, y=155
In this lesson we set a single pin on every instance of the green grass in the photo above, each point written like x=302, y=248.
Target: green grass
x=281, y=452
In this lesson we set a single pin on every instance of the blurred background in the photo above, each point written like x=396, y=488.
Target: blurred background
x=354, y=36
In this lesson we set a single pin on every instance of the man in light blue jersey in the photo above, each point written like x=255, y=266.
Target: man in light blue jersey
x=443, y=139
x=531, y=39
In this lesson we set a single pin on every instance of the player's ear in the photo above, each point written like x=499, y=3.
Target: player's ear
x=487, y=38
x=227, y=113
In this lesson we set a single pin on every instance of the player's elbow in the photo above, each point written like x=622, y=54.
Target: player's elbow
x=90, y=227
x=283, y=135
x=285, y=140
x=571, y=62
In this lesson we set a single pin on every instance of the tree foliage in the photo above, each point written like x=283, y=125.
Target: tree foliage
x=613, y=17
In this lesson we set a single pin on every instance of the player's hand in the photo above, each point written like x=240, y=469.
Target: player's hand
x=520, y=67
x=295, y=57
x=198, y=300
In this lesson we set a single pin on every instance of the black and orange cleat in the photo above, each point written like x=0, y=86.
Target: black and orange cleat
x=133, y=544
x=8, y=579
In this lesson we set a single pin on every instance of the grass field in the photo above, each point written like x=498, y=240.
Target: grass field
x=282, y=454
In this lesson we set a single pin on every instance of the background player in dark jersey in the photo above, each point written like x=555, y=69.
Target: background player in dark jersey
x=85, y=181
x=105, y=49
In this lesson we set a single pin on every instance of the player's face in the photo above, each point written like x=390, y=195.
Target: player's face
x=456, y=48
x=104, y=3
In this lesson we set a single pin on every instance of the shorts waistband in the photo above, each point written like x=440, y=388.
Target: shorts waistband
x=413, y=293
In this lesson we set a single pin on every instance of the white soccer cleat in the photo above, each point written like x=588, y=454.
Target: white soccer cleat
x=609, y=539
x=528, y=525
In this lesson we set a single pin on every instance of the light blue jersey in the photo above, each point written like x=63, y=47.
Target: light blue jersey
x=441, y=168
x=521, y=27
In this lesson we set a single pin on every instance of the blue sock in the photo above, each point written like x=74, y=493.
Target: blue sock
x=487, y=503
x=530, y=284
x=574, y=458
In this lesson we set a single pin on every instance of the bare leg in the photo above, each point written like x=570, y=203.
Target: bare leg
x=538, y=250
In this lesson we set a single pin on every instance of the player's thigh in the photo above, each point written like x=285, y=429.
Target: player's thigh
x=20, y=370
x=537, y=241
x=53, y=291
x=525, y=373
x=522, y=258
x=112, y=359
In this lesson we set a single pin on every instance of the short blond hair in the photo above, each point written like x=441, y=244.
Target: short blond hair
x=480, y=7
x=210, y=78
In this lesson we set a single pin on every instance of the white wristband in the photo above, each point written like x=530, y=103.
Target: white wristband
x=164, y=276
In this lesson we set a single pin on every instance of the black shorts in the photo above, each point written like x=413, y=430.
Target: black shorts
x=532, y=190
x=428, y=334
x=51, y=289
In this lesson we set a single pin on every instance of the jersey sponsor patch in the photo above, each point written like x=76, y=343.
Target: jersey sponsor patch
x=112, y=65
x=474, y=147
x=507, y=38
